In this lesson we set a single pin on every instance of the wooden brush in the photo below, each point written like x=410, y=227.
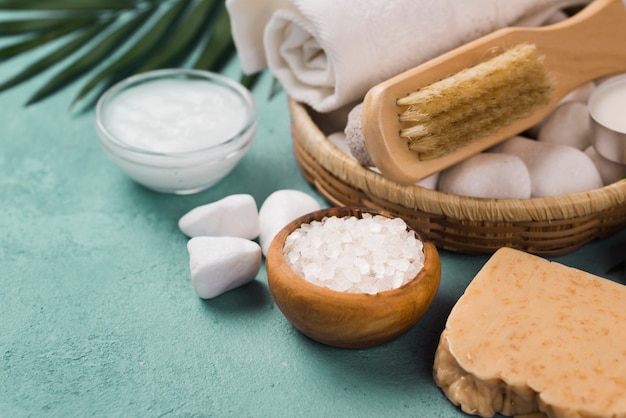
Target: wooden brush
x=469, y=99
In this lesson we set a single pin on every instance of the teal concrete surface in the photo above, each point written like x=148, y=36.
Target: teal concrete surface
x=98, y=316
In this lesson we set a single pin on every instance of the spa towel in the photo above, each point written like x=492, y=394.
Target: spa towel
x=328, y=53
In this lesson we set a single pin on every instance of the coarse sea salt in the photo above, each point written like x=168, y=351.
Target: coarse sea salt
x=371, y=254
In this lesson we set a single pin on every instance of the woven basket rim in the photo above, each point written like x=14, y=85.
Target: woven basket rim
x=543, y=209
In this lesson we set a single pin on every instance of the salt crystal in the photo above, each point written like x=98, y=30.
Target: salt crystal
x=367, y=255
x=397, y=225
x=341, y=286
x=362, y=265
x=327, y=272
x=332, y=250
x=293, y=257
x=333, y=223
x=353, y=276
x=316, y=242
x=402, y=264
x=310, y=270
x=375, y=227
x=397, y=280
x=379, y=269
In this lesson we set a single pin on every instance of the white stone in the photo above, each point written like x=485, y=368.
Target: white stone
x=429, y=182
x=569, y=124
x=233, y=216
x=220, y=264
x=488, y=175
x=554, y=169
x=580, y=94
x=610, y=171
x=280, y=208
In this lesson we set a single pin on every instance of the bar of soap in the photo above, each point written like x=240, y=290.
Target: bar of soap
x=530, y=335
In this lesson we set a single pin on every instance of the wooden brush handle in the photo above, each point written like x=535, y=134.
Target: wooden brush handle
x=587, y=46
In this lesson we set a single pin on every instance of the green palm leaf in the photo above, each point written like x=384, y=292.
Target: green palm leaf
x=34, y=42
x=37, y=5
x=25, y=26
x=181, y=38
x=142, y=48
x=91, y=58
x=219, y=45
x=54, y=57
x=139, y=35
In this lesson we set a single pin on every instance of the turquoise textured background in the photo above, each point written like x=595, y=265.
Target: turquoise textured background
x=98, y=316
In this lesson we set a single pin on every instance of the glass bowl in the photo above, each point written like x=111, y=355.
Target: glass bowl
x=349, y=320
x=176, y=130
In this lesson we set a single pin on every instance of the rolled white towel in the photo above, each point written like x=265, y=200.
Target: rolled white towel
x=328, y=53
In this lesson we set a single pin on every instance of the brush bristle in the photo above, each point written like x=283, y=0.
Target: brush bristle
x=476, y=102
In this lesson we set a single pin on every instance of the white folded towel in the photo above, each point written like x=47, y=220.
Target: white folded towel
x=328, y=53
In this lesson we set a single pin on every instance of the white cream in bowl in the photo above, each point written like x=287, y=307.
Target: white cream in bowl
x=176, y=131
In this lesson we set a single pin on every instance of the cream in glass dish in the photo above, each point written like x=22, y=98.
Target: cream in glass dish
x=176, y=130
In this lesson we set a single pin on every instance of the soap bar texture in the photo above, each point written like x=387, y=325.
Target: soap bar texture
x=530, y=335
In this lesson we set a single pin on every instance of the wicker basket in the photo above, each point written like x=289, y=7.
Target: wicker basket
x=544, y=226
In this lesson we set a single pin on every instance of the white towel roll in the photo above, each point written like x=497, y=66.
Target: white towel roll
x=328, y=53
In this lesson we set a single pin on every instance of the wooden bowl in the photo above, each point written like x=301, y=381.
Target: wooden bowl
x=349, y=320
